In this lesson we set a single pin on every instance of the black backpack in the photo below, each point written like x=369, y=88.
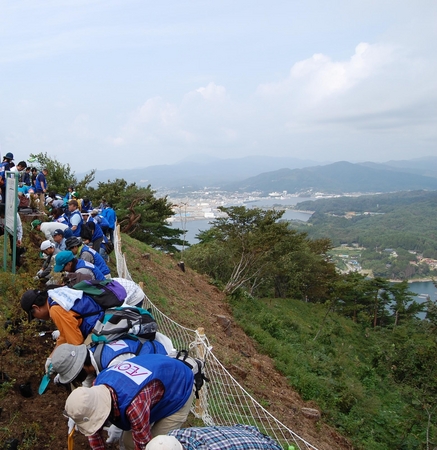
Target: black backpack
x=198, y=368
x=109, y=247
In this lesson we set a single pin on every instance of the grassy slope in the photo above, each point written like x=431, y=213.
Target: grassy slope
x=345, y=368
x=190, y=300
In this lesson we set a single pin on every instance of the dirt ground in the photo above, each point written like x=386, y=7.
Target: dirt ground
x=36, y=422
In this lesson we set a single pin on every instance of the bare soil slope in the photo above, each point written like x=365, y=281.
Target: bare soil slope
x=36, y=422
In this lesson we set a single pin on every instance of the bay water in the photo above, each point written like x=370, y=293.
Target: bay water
x=193, y=227
x=422, y=289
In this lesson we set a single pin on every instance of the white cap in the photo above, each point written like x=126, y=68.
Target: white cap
x=164, y=442
x=89, y=408
x=45, y=245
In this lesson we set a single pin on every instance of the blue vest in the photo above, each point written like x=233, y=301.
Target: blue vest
x=104, y=353
x=103, y=222
x=100, y=220
x=129, y=377
x=85, y=264
x=38, y=187
x=88, y=310
x=86, y=206
x=77, y=231
x=98, y=232
x=64, y=219
x=4, y=166
x=98, y=260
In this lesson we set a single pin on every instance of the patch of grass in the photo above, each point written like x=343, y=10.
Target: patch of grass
x=340, y=369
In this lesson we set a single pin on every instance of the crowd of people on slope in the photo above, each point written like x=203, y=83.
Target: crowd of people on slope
x=67, y=212
x=138, y=390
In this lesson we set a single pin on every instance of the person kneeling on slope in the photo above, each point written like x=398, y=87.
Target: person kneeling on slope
x=144, y=396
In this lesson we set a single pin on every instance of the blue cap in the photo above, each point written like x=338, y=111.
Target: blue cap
x=61, y=259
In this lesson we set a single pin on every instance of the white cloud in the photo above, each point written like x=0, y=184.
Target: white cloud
x=198, y=118
x=319, y=77
x=153, y=121
x=377, y=88
x=342, y=100
x=212, y=92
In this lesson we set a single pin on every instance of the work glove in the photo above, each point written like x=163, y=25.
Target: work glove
x=114, y=434
x=71, y=425
x=36, y=278
x=56, y=334
x=48, y=366
x=56, y=380
x=39, y=273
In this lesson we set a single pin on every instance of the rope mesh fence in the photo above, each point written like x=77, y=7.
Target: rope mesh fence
x=222, y=401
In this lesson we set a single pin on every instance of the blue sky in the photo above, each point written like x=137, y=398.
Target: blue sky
x=133, y=83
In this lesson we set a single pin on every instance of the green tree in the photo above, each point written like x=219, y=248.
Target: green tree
x=60, y=176
x=112, y=191
x=379, y=287
x=139, y=213
x=257, y=252
x=301, y=268
x=403, y=304
x=250, y=236
x=354, y=295
x=245, y=238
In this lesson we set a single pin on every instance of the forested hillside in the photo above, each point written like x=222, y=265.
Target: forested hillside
x=351, y=344
x=337, y=178
x=403, y=222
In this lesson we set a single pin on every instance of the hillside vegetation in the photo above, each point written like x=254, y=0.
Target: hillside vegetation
x=402, y=221
x=186, y=297
x=377, y=386
x=351, y=344
x=337, y=178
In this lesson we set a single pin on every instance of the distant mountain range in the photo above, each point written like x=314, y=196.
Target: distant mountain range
x=199, y=172
x=341, y=178
x=274, y=174
x=421, y=166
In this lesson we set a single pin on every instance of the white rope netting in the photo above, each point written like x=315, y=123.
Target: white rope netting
x=222, y=401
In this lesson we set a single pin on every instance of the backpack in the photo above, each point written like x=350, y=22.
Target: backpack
x=120, y=322
x=198, y=368
x=106, y=293
x=100, y=346
x=109, y=247
x=24, y=202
